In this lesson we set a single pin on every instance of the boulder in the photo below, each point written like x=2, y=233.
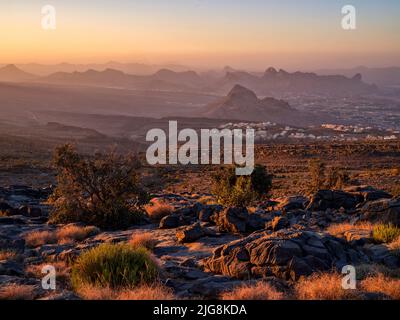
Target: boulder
x=292, y=203
x=11, y=268
x=287, y=254
x=382, y=211
x=358, y=236
x=30, y=211
x=173, y=221
x=190, y=234
x=11, y=220
x=207, y=211
x=368, y=193
x=279, y=223
x=7, y=211
x=16, y=245
x=333, y=199
x=231, y=220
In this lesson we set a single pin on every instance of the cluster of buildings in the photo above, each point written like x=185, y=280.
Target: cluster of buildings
x=268, y=131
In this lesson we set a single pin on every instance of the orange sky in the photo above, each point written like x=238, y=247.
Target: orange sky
x=202, y=33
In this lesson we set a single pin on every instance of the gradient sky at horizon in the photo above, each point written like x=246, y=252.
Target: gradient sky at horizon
x=250, y=34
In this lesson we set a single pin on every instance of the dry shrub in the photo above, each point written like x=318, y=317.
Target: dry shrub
x=382, y=284
x=323, y=286
x=145, y=240
x=341, y=228
x=158, y=209
x=145, y=292
x=17, y=292
x=259, y=291
x=38, y=238
x=72, y=233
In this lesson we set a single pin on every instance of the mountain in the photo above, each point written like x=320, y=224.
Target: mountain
x=10, y=73
x=389, y=76
x=163, y=80
x=190, y=78
x=130, y=68
x=243, y=104
x=281, y=83
x=106, y=77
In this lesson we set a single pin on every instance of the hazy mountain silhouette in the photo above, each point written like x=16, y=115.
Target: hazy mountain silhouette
x=389, y=76
x=277, y=83
x=130, y=68
x=243, y=104
x=162, y=80
x=10, y=73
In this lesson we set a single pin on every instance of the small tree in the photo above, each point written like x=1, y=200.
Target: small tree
x=103, y=191
x=241, y=191
x=316, y=170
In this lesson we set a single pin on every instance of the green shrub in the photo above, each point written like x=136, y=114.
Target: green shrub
x=104, y=191
x=386, y=233
x=114, y=266
x=232, y=190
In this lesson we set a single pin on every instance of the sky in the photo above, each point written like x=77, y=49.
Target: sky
x=252, y=34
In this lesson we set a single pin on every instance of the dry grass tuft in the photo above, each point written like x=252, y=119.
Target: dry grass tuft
x=145, y=292
x=72, y=233
x=66, y=234
x=145, y=240
x=9, y=255
x=38, y=238
x=154, y=292
x=386, y=233
x=17, y=292
x=364, y=271
x=157, y=209
x=382, y=284
x=323, y=286
x=341, y=228
x=395, y=247
x=259, y=291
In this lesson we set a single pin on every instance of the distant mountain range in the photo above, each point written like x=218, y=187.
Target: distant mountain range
x=278, y=83
x=243, y=104
x=131, y=68
x=271, y=83
x=163, y=79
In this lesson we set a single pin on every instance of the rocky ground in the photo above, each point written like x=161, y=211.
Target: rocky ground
x=206, y=249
